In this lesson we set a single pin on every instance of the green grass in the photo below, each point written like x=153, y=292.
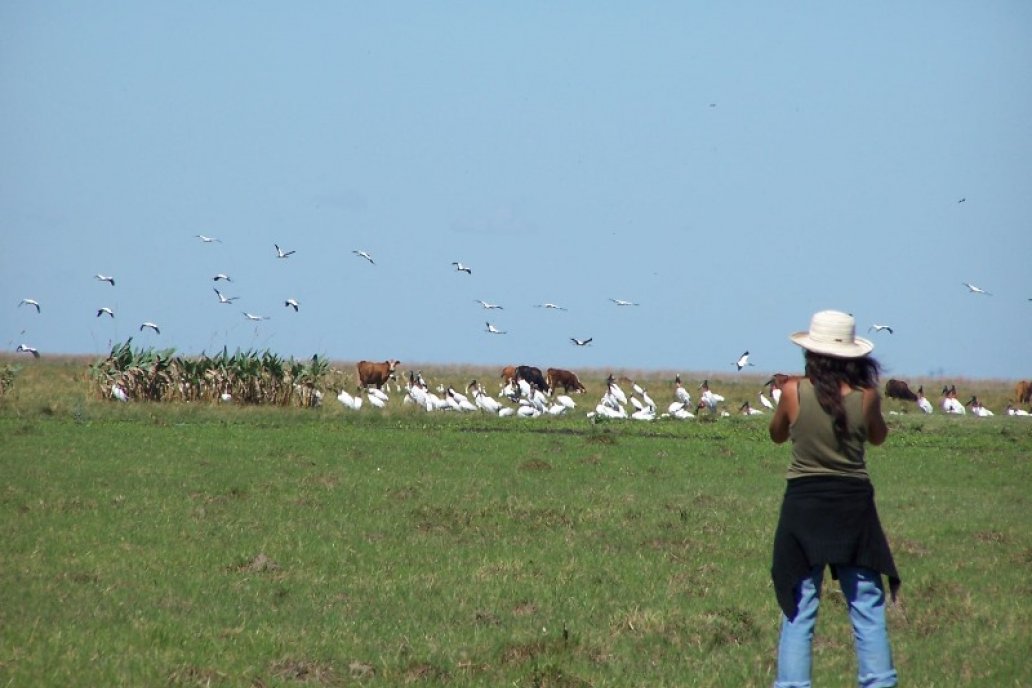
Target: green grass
x=179, y=545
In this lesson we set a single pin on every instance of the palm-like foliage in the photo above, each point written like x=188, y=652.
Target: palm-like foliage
x=247, y=377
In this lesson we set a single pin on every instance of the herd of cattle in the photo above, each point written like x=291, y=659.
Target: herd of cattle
x=374, y=375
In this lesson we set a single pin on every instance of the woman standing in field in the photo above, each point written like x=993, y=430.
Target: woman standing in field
x=828, y=516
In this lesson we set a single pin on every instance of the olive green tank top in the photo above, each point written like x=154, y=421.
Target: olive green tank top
x=815, y=448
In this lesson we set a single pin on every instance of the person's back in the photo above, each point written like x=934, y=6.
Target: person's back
x=816, y=448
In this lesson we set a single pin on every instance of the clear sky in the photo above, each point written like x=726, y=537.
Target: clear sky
x=731, y=167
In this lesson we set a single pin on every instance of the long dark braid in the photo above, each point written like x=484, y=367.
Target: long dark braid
x=827, y=373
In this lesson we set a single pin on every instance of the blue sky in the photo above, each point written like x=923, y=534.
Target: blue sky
x=731, y=167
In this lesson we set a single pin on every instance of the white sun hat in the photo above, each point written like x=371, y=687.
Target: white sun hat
x=833, y=333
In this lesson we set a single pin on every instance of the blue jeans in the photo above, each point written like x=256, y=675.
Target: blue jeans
x=866, y=598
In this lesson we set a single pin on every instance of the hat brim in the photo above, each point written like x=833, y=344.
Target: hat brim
x=855, y=349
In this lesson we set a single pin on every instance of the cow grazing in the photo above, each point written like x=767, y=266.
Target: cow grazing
x=898, y=389
x=533, y=376
x=370, y=373
x=557, y=377
x=1023, y=392
x=508, y=373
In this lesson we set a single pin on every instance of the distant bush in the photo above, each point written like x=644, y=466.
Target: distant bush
x=7, y=374
x=246, y=377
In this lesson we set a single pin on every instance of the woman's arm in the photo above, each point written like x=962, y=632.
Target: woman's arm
x=877, y=430
x=785, y=413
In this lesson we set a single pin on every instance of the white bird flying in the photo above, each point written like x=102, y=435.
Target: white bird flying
x=976, y=290
x=551, y=306
x=104, y=310
x=105, y=278
x=363, y=254
x=252, y=316
x=208, y=239
x=494, y=330
x=621, y=302
x=488, y=306
x=29, y=302
x=24, y=348
x=280, y=253
x=462, y=268
x=743, y=361
x=292, y=303
x=221, y=276
x=223, y=298
x=150, y=325
x=581, y=342
x=878, y=328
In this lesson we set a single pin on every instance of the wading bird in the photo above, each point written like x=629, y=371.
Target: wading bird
x=462, y=268
x=621, y=302
x=150, y=325
x=488, y=306
x=105, y=278
x=208, y=239
x=363, y=254
x=581, y=342
x=221, y=276
x=976, y=290
x=743, y=361
x=280, y=253
x=26, y=349
x=292, y=303
x=494, y=330
x=104, y=310
x=878, y=328
x=551, y=306
x=29, y=302
x=225, y=299
x=252, y=316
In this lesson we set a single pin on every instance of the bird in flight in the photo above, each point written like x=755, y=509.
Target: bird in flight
x=551, y=306
x=488, y=306
x=29, y=302
x=106, y=278
x=104, y=310
x=280, y=253
x=208, y=239
x=878, y=328
x=494, y=330
x=223, y=298
x=961, y=200
x=621, y=302
x=462, y=268
x=363, y=254
x=976, y=290
x=252, y=316
x=292, y=303
x=743, y=361
x=581, y=342
x=24, y=348
x=150, y=325
x=222, y=276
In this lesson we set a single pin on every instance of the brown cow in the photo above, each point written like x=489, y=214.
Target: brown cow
x=898, y=389
x=370, y=373
x=509, y=373
x=557, y=377
x=1023, y=392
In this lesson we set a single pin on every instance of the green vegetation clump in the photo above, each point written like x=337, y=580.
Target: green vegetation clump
x=8, y=373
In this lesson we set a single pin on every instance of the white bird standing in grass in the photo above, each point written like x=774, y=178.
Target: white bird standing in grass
x=976, y=290
x=680, y=393
x=26, y=349
x=224, y=299
x=494, y=330
x=105, y=278
x=280, y=253
x=292, y=303
x=150, y=325
x=922, y=401
x=352, y=402
x=363, y=254
x=29, y=302
x=104, y=310
x=253, y=316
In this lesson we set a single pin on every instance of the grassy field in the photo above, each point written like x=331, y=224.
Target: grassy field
x=199, y=545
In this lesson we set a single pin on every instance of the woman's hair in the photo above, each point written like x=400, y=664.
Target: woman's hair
x=827, y=373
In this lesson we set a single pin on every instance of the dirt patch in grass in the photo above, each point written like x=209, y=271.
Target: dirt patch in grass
x=423, y=672
x=303, y=671
x=196, y=676
x=260, y=563
x=554, y=677
x=910, y=547
x=991, y=536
